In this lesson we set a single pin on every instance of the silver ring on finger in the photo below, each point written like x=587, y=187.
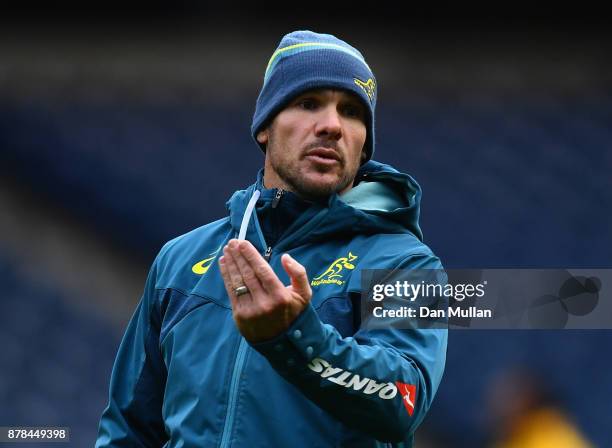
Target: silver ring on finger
x=241, y=290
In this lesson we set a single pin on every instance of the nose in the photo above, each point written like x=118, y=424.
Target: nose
x=328, y=123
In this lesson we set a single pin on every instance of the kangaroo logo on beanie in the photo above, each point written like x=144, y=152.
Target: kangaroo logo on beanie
x=368, y=87
x=305, y=60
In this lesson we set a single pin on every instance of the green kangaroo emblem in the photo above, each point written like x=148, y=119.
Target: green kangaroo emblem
x=334, y=270
x=369, y=87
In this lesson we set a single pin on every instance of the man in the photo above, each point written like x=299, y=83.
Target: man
x=248, y=332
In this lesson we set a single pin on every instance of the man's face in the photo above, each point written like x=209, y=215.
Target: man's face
x=314, y=146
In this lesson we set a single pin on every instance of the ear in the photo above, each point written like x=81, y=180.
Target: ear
x=262, y=136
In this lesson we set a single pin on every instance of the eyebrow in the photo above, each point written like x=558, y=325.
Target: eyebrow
x=345, y=98
x=353, y=102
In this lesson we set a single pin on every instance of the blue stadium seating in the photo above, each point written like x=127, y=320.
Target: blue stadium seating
x=531, y=171
x=56, y=359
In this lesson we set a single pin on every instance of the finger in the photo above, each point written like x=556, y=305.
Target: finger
x=228, y=283
x=232, y=269
x=247, y=272
x=297, y=274
x=266, y=276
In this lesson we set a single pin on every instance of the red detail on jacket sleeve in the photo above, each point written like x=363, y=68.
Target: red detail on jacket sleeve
x=408, y=393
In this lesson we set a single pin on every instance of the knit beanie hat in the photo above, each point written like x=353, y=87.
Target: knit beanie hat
x=305, y=60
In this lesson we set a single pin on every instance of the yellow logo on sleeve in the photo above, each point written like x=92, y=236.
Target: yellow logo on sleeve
x=333, y=274
x=202, y=267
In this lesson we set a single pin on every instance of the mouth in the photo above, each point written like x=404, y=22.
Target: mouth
x=323, y=156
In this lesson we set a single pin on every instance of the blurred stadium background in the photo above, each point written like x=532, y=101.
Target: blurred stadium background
x=121, y=131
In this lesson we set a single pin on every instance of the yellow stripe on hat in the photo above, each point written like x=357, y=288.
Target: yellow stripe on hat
x=314, y=44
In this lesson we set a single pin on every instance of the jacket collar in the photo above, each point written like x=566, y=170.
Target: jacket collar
x=383, y=201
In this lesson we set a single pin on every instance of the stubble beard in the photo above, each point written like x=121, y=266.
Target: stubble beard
x=290, y=174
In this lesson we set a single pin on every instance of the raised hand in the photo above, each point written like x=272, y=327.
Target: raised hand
x=266, y=307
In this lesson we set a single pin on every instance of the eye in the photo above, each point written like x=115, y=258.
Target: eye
x=353, y=111
x=307, y=104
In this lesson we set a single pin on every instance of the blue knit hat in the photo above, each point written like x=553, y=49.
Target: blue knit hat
x=305, y=60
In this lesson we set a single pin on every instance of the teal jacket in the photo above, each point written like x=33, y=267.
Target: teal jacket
x=184, y=376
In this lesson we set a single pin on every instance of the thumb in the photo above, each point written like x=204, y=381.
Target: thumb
x=298, y=276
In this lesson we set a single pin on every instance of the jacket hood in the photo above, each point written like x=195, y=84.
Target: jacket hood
x=383, y=201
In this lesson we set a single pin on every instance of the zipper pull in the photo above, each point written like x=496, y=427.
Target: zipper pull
x=277, y=197
x=268, y=253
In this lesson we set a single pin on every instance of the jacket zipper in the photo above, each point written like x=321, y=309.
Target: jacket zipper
x=277, y=197
x=233, y=393
x=240, y=358
x=275, y=201
x=268, y=254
